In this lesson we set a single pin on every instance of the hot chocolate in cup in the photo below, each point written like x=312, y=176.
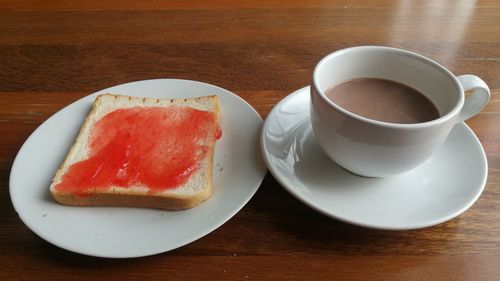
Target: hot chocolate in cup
x=357, y=95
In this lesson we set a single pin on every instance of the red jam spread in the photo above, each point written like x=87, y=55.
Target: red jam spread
x=218, y=133
x=158, y=147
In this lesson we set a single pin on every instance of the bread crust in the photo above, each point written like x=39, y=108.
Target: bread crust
x=130, y=197
x=133, y=200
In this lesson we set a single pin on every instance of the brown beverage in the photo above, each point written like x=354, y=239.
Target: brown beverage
x=383, y=100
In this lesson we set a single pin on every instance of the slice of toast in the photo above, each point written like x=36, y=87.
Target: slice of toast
x=141, y=152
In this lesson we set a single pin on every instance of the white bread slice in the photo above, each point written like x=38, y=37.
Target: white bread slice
x=197, y=189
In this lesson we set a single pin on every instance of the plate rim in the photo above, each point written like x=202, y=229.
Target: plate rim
x=308, y=202
x=229, y=215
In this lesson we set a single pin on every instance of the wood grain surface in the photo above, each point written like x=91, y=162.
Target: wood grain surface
x=55, y=52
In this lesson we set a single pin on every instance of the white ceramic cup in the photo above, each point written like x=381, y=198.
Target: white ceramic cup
x=379, y=149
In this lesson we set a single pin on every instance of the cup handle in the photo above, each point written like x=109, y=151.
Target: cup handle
x=477, y=100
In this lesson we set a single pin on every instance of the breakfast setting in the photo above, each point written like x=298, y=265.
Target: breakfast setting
x=250, y=140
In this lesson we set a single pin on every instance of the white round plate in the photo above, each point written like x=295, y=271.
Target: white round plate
x=438, y=190
x=132, y=232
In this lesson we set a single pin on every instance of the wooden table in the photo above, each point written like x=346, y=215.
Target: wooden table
x=54, y=53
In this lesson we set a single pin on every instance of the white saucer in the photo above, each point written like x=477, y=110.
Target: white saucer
x=133, y=232
x=439, y=190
